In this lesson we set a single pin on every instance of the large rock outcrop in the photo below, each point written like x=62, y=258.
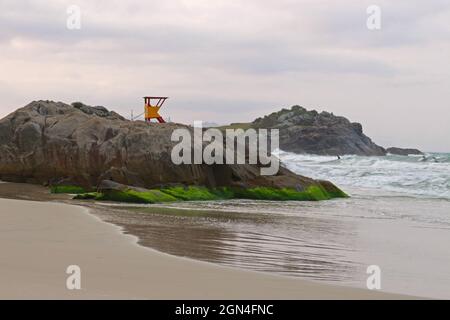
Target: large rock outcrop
x=304, y=131
x=53, y=142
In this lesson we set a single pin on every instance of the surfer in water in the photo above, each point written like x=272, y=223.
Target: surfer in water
x=425, y=159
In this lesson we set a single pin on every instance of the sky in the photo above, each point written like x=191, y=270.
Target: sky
x=228, y=61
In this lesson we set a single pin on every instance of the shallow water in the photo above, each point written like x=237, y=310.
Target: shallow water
x=398, y=217
x=332, y=241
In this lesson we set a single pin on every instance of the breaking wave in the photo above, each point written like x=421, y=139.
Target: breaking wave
x=425, y=176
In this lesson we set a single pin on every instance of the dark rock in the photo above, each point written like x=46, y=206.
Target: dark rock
x=98, y=111
x=108, y=185
x=47, y=141
x=304, y=131
x=403, y=151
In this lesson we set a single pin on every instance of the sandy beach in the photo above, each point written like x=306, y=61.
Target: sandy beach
x=39, y=240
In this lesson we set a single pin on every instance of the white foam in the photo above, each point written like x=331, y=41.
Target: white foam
x=427, y=175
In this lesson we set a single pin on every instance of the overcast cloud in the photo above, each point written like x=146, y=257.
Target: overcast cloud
x=227, y=61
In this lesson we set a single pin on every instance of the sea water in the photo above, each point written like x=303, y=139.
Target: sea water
x=425, y=175
x=397, y=218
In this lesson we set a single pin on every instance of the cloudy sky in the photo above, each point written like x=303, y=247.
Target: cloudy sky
x=226, y=60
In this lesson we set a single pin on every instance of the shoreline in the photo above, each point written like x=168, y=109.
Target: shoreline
x=115, y=266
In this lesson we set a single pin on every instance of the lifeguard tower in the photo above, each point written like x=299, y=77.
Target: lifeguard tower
x=151, y=108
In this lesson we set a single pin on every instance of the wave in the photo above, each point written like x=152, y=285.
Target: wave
x=424, y=176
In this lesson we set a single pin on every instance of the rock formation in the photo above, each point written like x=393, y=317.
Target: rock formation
x=304, y=131
x=403, y=151
x=56, y=143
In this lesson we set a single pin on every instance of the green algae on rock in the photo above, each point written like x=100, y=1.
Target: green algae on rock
x=197, y=193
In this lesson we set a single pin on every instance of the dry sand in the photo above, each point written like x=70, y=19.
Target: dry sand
x=38, y=240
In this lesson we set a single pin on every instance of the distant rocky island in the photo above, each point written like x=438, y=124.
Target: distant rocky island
x=311, y=132
x=403, y=151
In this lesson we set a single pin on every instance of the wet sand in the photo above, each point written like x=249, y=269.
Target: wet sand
x=39, y=240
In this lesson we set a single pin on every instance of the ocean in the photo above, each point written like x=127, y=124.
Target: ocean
x=414, y=175
x=397, y=217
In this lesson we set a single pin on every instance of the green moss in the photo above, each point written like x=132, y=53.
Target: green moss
x=317, y=193
x=338, y=194
x=151, y=196
x=223, y=193
x=191, y=193
x=332, y=190
x=312, y=193
x=67, y=189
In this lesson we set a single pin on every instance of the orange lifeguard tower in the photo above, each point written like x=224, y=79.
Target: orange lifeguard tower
x=151, y=108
